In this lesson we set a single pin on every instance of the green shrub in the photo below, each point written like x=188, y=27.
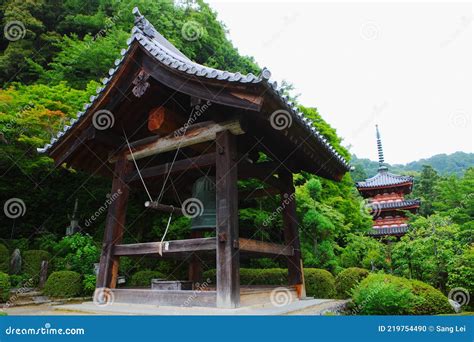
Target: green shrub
x=143, y=278
x=4, y=287
x=32, y=262
x=4, y=259
x=349, y=278
x=77, y=252
x=319, y=283
x=432, y=301
x=382, y=294
x=64, y=284
x=88, y=284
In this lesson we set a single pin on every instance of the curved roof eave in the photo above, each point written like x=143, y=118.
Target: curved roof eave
x=151, y=40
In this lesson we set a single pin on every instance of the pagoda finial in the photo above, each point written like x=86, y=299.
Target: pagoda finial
x=380, y=150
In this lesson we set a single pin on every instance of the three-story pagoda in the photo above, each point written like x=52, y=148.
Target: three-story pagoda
x=385, y=193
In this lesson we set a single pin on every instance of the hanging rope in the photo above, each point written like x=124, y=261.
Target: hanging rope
x=136, y=166
x=160, y=196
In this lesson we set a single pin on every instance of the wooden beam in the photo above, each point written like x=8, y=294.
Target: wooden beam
x=164, y=207
x=183, y=165
x=290, y=222
x=165, y=297
x=227, y=256
x=114, y=226
x=169, y=247
x=191, y=137
x=262, y=247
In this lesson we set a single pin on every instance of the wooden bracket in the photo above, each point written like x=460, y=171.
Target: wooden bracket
x=141, y=84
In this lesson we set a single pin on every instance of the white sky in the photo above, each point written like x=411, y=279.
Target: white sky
x=405, y=66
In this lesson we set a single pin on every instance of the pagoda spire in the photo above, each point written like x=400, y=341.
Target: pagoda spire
x=380, y=150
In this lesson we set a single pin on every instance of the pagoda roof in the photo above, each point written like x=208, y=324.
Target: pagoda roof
x=410, y=203
x=392, y=230
x=163, y=52
x=383, y=178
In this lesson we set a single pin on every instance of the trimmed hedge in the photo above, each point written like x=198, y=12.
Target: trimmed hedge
x=348, y=279
x=4, y=287
x=4, y=259
x=32, y=262
x=382, y=294
x=319, y=283
x=143, y=278
x=64, y=284
x=432, y=301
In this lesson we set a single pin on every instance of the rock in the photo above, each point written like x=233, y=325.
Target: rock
x=15, y=263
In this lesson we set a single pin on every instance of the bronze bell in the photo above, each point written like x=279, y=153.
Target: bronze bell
x=204, y=190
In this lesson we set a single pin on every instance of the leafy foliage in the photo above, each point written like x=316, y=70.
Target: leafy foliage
x=382, y=294
x=4, y=287
x=4, y=259
x=88, y=284
x=78, y=253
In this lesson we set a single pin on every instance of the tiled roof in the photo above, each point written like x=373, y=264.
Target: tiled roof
x=164, y=52
x=394, y=230
x=384, y=178
x=395, y=204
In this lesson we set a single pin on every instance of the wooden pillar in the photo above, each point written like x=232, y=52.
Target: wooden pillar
x=195, y=266
x=114, y=225
x=290, y=223
x=227, y=230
